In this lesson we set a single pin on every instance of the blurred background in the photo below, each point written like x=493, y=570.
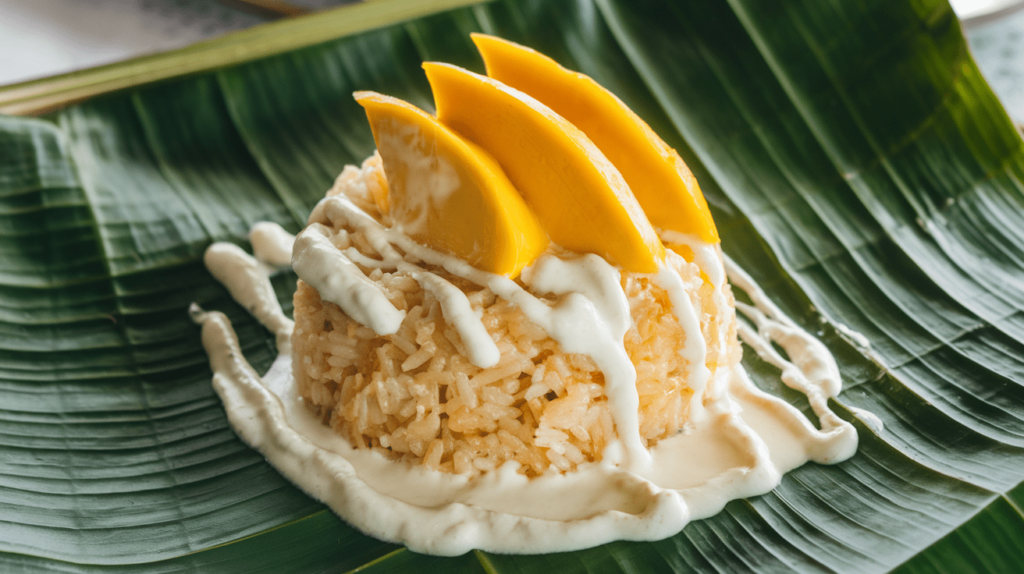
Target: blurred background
x=40, y=38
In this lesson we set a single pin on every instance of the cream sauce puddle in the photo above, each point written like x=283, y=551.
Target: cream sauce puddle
x=738, y=444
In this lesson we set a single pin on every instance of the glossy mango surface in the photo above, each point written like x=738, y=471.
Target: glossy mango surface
x=449, y=194
x=658, y=177
x=581, y=199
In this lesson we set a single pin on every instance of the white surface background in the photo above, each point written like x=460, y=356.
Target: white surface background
x=41, y=38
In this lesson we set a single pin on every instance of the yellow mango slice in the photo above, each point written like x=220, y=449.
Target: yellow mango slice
x=581, y=199
x=449, y=194
x=659, y=178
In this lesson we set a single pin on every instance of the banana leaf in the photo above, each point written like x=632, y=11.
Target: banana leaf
x=857, y=164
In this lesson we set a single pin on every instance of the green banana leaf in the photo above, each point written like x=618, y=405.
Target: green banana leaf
x=857, y=164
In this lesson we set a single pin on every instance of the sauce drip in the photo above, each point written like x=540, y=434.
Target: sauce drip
x=739, y=444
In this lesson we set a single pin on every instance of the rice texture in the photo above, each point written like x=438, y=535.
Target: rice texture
x=414, y=396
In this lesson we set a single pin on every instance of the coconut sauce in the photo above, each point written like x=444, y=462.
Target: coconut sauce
x=738, y=445
x=271, y=244
x=249, y=284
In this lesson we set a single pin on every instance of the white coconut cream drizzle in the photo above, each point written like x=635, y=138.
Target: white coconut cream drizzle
x=707, y=257
x=341, y=282
x=271, y=244
x=456, y=310
x=695, y=348
x=744, y=440
x=811, y=369
x=248, y=283
x=591, y=317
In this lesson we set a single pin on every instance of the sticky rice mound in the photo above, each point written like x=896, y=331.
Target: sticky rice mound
x=414, y=396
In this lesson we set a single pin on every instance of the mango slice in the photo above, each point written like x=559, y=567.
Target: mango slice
x=659, y=178
x=581, y=199
x=449, y=194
